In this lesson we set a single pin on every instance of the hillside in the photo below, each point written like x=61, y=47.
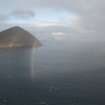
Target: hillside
x=17, y=37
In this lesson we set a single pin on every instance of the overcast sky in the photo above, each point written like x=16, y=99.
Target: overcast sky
x=83, y=16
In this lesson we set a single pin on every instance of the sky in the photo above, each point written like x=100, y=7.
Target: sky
x=85, y=17
x=34, y=12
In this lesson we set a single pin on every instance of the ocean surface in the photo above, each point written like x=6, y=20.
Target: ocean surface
x=64, y=71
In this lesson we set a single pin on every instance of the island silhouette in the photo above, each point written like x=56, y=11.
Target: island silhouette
x=17, y=37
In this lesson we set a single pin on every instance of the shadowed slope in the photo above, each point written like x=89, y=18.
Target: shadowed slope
x=17, y=37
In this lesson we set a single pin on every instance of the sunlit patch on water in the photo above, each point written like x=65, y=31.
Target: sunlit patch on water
x=58, y=36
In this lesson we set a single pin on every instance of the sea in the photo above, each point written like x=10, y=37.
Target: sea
x=65, y=70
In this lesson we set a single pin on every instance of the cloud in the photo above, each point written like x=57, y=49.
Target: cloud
x=22, y=14
x=17, y=16
x=47, y=23
x=3, y=18
x=68, y=5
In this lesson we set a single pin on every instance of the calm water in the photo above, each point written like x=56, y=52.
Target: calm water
x=61, y=72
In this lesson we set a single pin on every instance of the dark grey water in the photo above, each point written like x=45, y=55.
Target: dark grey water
x=59, y=73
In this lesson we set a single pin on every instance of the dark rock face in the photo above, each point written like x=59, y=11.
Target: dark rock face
x=17, y=37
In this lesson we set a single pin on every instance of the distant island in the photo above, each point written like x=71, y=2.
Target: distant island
x=18, y=37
